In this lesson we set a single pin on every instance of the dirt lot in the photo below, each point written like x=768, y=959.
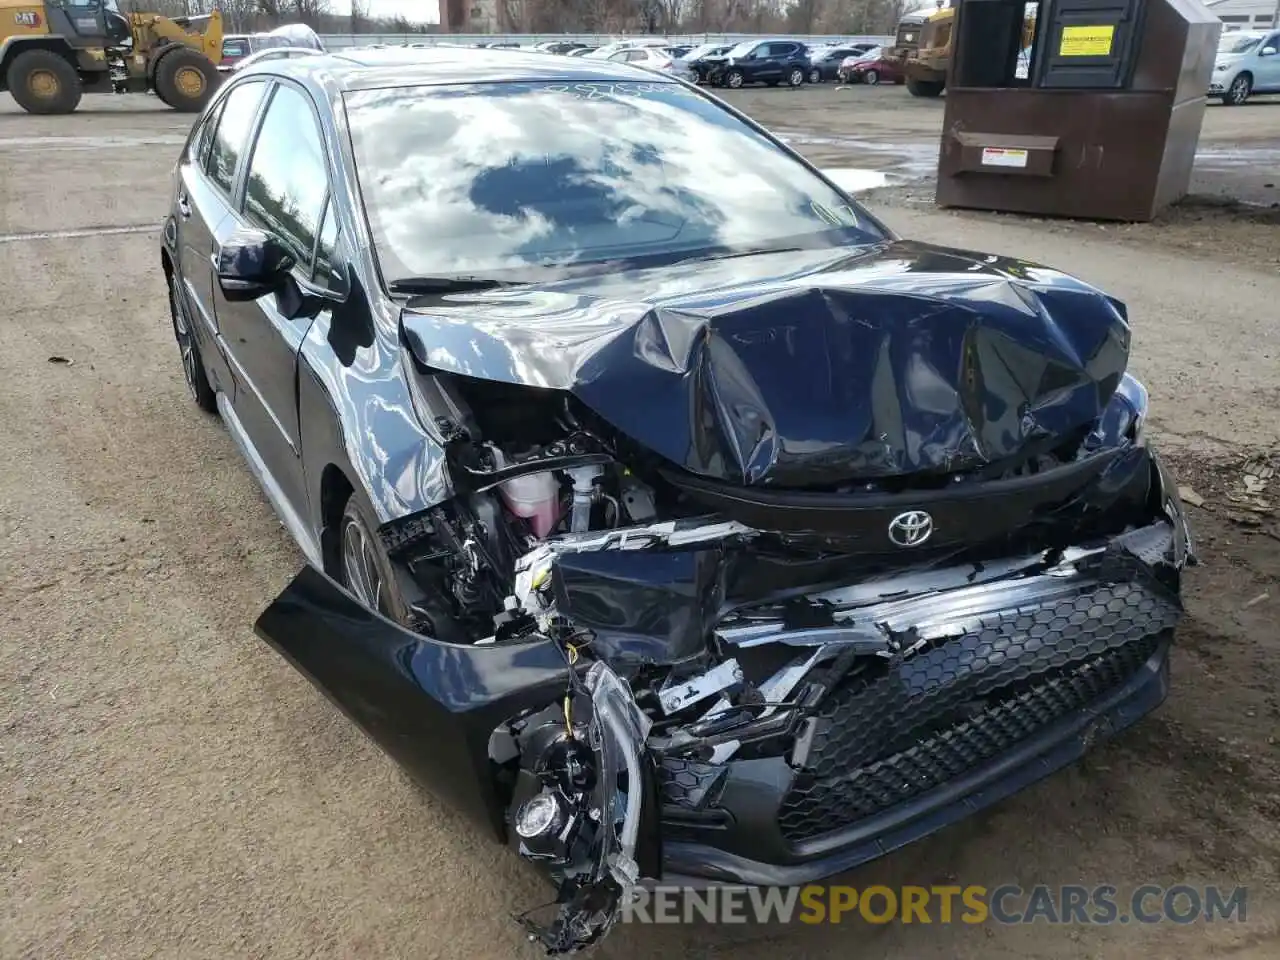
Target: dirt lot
x=170, y=788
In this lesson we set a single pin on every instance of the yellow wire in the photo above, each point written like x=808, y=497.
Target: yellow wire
x=568, y=712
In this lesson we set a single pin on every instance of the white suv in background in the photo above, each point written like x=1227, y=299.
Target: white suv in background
x=1247, y=63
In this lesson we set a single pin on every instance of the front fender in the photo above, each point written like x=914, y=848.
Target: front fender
x=432, y=706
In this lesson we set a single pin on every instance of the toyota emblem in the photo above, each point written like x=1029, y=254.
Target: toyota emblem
x=910, y=529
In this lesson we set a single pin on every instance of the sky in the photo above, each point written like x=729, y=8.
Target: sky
x=426, y=11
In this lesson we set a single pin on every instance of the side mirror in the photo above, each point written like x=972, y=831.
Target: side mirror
x=1268, y=51
x=251, y=264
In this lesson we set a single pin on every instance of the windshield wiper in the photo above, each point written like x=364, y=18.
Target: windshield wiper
x=733, y=254
x=446, y=284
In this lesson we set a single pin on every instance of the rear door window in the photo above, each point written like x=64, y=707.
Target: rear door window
x=232, y=135
x=204, y=136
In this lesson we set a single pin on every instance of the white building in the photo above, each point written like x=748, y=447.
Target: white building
x=1245, y=14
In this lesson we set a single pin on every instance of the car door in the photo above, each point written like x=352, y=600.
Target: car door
x=282, y=191
x=1268, y=65
x=755, y=65
x=202, y=202
x=786, y=57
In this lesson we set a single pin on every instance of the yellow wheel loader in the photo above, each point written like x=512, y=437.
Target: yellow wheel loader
x=53, y=52
x=926, y=67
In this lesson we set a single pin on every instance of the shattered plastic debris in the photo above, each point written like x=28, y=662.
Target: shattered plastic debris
x=1256, y=474
x=1187, y=495
x=1260, y=598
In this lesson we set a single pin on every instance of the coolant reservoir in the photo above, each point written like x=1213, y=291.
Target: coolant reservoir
x=536, y=498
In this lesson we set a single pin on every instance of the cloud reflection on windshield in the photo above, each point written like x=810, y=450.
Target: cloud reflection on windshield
x=485, y=177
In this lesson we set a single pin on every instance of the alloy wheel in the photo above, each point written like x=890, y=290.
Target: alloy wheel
x=1240, y=90
x=735, y=80
x=796, y=78
x=815, y=76
x=186, y=343
x=871, y=77
x=360, y=565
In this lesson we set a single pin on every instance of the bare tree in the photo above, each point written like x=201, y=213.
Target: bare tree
x=803, y=16
x=359, y=16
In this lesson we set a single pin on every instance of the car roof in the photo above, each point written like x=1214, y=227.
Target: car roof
x=350, y=70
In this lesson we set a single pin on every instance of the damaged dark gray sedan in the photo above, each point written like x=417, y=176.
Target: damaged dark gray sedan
x=663, y=510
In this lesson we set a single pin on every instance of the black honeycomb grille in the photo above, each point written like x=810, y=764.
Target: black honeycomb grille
x=882, y=740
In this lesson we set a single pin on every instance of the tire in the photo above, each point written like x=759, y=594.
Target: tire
x=1239, y=91
x=795, y=78
x=924, y=88
x=871, y=78
x=362, y=561
x=192, y=365
x=815, y=76
x=44, y=82
x=734, y=79
x=185, y=79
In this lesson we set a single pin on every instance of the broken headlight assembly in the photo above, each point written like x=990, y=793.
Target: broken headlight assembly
x=1125, y=417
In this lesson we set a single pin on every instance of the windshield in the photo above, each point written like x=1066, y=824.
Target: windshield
x=486, y=178
x=1238, y=44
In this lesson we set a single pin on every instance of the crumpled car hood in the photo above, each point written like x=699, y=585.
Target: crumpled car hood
x=805, y=368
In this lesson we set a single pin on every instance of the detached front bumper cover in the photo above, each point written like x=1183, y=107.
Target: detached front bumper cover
x=923, y=697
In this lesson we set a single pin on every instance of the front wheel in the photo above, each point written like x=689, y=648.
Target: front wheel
x=185, y=79
x=795, y=78
x=924, y=88
x=815, y=76
x=734, y=79
x=1239, y=91
x=364, y=568
x=871, y=78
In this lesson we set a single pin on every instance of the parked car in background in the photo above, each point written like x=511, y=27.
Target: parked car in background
x=277, y=53
x=1247, y=63
x=609, y=49
x=871, y=70
x=824, y=64
x=703, y=59
x=654, y=58
x=237, y=46
x=581, y=51
x=561, y=47
x=762, y=61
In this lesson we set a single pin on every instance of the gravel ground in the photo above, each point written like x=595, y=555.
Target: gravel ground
x=171, y=788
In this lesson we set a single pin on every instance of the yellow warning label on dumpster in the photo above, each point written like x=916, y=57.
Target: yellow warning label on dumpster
x=1086, y=41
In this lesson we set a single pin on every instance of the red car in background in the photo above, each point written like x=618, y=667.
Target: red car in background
x=870, y=71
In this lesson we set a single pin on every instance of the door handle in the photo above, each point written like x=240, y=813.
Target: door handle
x=184, y=206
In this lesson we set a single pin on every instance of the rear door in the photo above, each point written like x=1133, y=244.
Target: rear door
x=775, y=60
x=206, y=180
x=283, y=191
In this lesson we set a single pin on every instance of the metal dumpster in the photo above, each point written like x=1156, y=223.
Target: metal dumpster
x=1097, y=117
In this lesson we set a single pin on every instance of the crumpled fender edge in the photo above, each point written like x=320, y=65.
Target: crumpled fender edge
x=431, y=706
